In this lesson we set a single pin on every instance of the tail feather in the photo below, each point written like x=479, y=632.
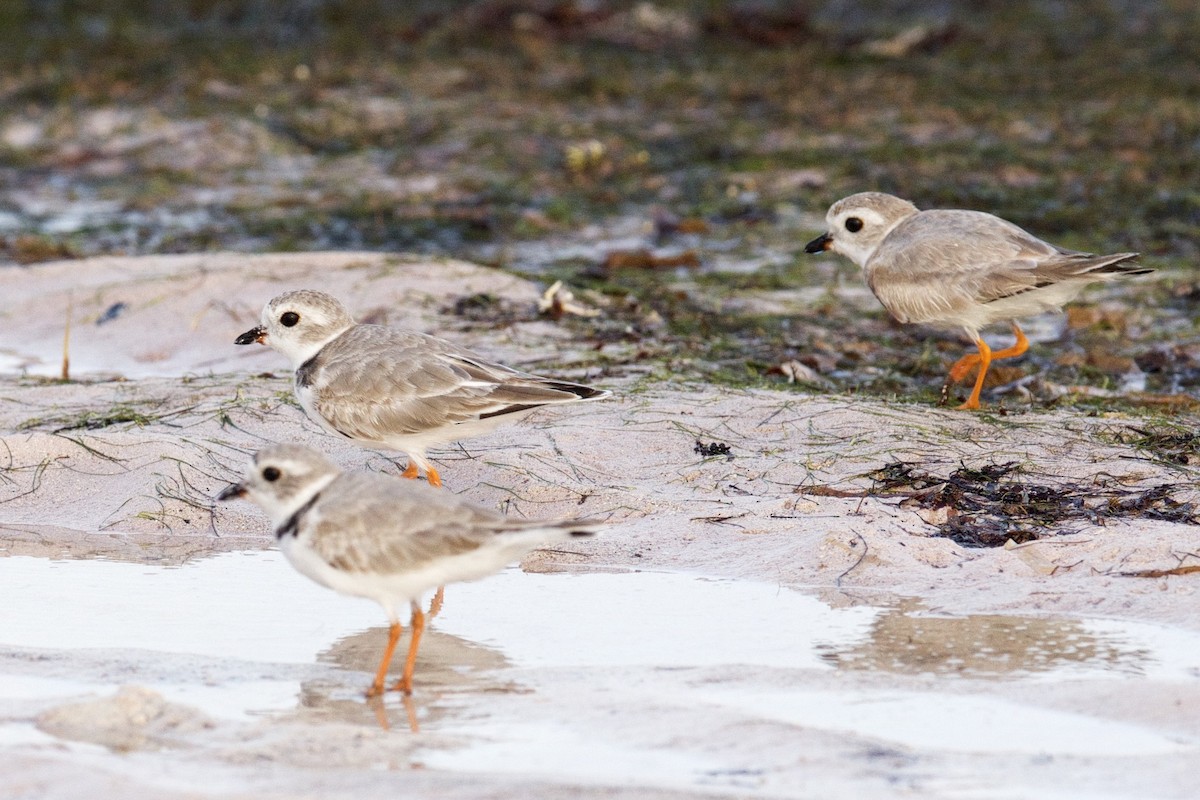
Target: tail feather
x=539, y=389
x=577, y=528
x=568, y=528
x=529, y=394
x=579, y=390
x=1115, y=265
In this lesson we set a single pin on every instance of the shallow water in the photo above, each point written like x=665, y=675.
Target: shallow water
x=547, y=674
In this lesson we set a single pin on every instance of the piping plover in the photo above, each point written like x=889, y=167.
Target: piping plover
x=964, y=269
x=374, y=536
x=390, y=388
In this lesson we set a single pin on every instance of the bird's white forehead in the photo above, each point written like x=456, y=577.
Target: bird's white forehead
x=871, y=207
x=300, y=471
x=297, y=459
x=871, y=217
x=286, y=465
x=316, y=305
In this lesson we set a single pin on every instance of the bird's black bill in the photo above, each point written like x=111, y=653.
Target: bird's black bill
x=255, y=334
x=230, y=492
x=817, y=245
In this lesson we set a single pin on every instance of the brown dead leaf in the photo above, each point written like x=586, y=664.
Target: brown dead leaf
x=936, y=516
x=646, y=259
x=1079, y=317
x=30, y=249
x=692, y=225
x=1108, y=363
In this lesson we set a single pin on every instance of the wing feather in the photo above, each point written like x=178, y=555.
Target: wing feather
x=366, y=522
x=938, y=264
x=376, y=381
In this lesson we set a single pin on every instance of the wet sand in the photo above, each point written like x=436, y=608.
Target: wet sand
x=728, y=633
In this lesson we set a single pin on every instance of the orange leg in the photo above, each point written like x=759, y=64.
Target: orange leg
x=381, y=675
x=960, y=370
x=435, y=605
x=1018, y=348
x=963, y=367
x=410, y=471
x=985, y=360
x=418, y=626
x=432, y=476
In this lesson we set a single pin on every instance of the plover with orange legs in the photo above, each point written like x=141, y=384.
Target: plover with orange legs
x=960, y=269
x=396, y=389
x=373, y=536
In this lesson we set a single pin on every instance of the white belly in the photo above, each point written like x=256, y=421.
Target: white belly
x=394, y=590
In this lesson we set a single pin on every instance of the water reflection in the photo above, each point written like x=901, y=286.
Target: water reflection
x=446, y=665
x=541, y=673
x=168, y=548
x=905, y=639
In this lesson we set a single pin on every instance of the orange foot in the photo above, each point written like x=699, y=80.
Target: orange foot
x=983, y=360
x=418, y=626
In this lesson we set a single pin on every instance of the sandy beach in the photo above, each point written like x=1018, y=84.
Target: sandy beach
x=763, y=623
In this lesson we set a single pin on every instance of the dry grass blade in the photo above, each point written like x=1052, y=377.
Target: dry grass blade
x=66, y=357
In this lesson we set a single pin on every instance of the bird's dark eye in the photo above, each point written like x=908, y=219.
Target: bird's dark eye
x=853, y=224
x=290, y=318
x=270, y=474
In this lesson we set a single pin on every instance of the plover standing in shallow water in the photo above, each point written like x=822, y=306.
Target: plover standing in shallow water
x=371, y=535
x=960, y=269
x=390, y=388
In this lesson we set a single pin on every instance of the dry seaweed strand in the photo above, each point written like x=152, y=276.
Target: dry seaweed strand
x=1160, y=573
x=989, y=506
x=1160, y=445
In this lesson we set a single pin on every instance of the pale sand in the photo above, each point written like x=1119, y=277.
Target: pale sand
x=147, y=488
